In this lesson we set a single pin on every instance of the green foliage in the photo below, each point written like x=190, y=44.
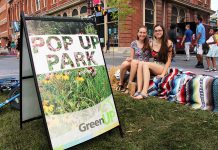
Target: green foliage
x=69, y=91
x=90, y=29
x=123, y=8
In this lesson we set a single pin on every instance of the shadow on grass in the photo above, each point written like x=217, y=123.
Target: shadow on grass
x=148, y=124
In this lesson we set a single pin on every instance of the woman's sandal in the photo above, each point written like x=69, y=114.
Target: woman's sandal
x=140, y=96
x=120, y=88
x=136, y=94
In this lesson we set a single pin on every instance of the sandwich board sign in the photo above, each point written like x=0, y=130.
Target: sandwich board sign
x=64, y=80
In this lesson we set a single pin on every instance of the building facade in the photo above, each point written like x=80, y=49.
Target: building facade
x=147, y=12
x=164, y=12
x=214, y=19
x=4, y=23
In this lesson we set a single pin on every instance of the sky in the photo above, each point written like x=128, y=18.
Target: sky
x=214, y=5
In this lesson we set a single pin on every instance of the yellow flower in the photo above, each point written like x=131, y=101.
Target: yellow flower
x=48, y=109
x=80, y=79
x=46, y=81
x=51, y=108
x=45, y=103
x=58, y=76
x=65, y=77
x=52, y=75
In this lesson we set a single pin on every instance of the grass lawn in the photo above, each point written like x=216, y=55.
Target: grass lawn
x=151, y=124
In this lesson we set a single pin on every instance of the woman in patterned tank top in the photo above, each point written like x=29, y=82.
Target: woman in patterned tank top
x=162, y=54
x=139, y=51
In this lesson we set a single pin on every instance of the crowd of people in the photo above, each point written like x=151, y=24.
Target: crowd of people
x=160, y=50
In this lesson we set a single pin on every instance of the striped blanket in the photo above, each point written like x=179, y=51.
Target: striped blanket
x=184, y=88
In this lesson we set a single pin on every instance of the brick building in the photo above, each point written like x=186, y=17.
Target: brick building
x=4, y=23
x=165, y=12
x=147, y=12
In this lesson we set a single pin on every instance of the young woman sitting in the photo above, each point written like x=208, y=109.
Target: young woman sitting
x=162, y=53
x=140, y=52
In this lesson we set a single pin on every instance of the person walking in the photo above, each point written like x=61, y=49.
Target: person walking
x=9, y=46
x=13, y=47
x=212, y=53
x=19, y=47
x=187, y=38
x=200, y=40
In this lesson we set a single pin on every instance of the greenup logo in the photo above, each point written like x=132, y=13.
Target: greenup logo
x=108, y=114
x=107, y=110
x=108, y=117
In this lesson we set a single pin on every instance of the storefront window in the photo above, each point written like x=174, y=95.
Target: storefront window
x=83, y=10
x=182, y=15
x=149, y=16
x=75, y=12
x=65, y=15
x=112, y=29
x=113, y=34
x=174, y=15
x=37, y=4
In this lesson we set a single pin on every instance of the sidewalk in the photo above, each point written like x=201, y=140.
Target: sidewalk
x=117, y=56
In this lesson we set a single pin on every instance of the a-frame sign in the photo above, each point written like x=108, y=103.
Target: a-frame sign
x=64, y=80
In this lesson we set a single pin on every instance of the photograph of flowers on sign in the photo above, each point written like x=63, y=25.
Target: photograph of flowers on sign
x=73, y=90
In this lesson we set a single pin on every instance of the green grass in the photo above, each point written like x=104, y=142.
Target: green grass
x=151, y=124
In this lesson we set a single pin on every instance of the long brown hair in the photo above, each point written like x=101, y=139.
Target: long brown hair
x=164, y=49
x=146, y=40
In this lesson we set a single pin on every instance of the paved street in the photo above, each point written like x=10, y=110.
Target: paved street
x=117, y=58
x=9, y=66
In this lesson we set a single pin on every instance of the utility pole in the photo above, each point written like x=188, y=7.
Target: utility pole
x=105, y=27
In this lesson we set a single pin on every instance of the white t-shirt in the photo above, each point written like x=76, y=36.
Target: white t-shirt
x=211, y=39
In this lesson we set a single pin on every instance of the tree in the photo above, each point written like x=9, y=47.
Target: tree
x=123, y=10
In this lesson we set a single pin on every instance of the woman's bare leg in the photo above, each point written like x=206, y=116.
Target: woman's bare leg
x=124, y=67
x=156, y=69
x=133, y=70
x=208, y=62
x=140, y=76
x=214, y=62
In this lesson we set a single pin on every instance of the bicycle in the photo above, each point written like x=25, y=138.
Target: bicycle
x=13, y=86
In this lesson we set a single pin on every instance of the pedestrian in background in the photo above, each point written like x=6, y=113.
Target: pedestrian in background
x=9, y=46
x=187, y=38
x=212, y=53
x=200, y=40
x=19, y=46
x=172, y=37
x=13, y=47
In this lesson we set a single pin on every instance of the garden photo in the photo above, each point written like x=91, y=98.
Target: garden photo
x=73, y=90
